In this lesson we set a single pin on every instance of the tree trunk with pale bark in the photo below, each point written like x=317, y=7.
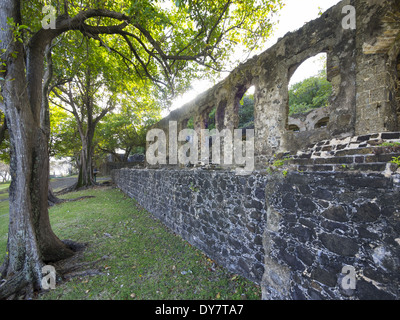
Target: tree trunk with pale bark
x=31, y=241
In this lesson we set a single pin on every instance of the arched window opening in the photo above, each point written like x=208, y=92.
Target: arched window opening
x=294, y=128
x=323, y=123
x=309, y=87
x=210, y=123
x=246, y=109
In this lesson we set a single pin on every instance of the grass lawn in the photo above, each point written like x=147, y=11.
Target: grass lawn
x=142, y=258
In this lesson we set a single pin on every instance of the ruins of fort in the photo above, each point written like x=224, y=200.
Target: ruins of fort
x=335, y=202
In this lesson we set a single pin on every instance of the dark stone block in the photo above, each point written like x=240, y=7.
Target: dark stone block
x=260, y=193
x=306, y=205
x=376, y=274
x=368, y=212
x=331, y=226
x=308, y=223
x=365, y=234
x=304, y=189
x=243, y=265
x=258, y=240
x=367, y=182
x=390, y=135
x=314, y=294
x=323, y=194
x=288, y=202
x=256, y=215
x=367, y=291
x=359, y=159
x=199, y=199
x=298, y=294
x=325, y=277
x=339, y=245
x=291, y=260
x=336, y=214
x=303, y=234
x=305, y=255
x=258, y=270
x=364, y=138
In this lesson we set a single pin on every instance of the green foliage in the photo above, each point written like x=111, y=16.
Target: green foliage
x=193, y=188
x=277, y=164
x=390, y=144
x=64, y=136
x=190, y=123
x=309, y=94
x=127, y=127
x=396, y=160
x=246, y=111
x=211, y=119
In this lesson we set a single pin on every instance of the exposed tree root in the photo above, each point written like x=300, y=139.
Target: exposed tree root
x=13, y=287
x=19, y=286
x=71, y=267
x=75, y=188
x=71, y=200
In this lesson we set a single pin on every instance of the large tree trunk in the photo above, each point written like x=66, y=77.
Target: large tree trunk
x=85, y=176
x=31, y=241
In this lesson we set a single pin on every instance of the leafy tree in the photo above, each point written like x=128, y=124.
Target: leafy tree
x=89, y=94
x=126, y=130
x=311, y=93
x=165, y=43
x=64, y=137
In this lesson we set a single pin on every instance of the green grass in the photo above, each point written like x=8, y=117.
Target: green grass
x=143, y=259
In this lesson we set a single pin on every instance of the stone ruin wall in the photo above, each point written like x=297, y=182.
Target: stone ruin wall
x=361, y=66
x=294, y=234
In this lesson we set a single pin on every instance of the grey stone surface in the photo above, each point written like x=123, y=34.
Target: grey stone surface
x=294, y=246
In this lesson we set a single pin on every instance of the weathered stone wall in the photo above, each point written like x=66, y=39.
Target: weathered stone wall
x=318, y=223
x=293, y=235
x=377, y=51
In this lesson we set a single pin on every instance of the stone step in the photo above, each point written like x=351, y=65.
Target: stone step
x=349, y=146
x=364, y=167
x=358, y=153
x=349, y=159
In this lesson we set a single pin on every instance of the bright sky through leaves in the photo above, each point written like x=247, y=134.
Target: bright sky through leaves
x=292, y=17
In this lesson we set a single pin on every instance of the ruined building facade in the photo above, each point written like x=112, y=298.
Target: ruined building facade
x=362, y=66
x=338, y=203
